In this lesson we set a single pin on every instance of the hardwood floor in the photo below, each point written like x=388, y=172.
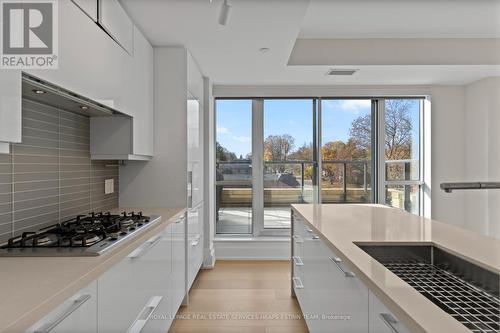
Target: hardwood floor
x=242, y=297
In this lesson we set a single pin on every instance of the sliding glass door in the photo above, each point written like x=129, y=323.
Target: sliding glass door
x=288, y=142
x=233, y=167
x=346, y=150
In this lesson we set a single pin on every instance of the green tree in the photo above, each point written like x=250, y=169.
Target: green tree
x=222, y=154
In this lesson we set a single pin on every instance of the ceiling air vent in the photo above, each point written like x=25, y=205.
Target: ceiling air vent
x=341, y=71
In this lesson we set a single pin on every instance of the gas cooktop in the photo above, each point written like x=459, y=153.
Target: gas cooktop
x=84, y=235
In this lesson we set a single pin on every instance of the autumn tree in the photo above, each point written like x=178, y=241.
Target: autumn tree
x=398, y=130
x=278, y=148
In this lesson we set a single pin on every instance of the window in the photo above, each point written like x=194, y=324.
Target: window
x=288, y=158
x=402, y=153
x=271, y=153
x=346, y=150
x=233, y=167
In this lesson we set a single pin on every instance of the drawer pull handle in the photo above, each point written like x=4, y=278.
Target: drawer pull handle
x=315, y=237
x=309, y=230
x=71, y=308
x=144, y=248
x=390, y=321
x=298, y=261
x=297, y=283
x=145, y=314
x=180, y=219
x=298, y=239
x=338, y=262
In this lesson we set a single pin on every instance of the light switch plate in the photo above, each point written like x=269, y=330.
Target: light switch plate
x=109, y=186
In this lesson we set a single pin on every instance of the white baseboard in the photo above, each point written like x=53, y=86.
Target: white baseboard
x=209, y=258
x=252, y=249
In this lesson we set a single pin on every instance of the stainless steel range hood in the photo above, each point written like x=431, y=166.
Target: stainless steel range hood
x=41, y=91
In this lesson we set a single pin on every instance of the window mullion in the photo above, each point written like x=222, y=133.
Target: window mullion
x=257, y=166
x=381, y=151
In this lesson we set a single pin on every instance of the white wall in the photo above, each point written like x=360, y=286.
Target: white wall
x=482, y=146
x=161, y=182
x=448, y=153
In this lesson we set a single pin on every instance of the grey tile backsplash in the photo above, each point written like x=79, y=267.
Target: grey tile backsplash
x=49, y=177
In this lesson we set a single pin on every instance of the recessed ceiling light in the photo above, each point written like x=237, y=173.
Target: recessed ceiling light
x=84, y=107
x=264, y=49
x=347, y=72
x=38, y=91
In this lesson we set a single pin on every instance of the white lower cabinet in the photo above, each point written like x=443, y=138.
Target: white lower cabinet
x=195, y=242
x=77, y=314
x=382, y=320
x=141, y=293
x=336, y=300
x=138, y=287
x=331, y=297
x=178, y=275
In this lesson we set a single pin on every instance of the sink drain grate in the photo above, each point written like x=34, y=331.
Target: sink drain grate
x=471, y=306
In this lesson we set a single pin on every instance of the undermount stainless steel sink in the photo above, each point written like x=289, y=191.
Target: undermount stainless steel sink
x=466, y=291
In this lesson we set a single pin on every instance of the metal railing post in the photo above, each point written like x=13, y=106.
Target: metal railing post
x=302, y=181
x=344, y=180
x=365, y=177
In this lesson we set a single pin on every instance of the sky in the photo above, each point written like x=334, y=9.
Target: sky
x=294, y=117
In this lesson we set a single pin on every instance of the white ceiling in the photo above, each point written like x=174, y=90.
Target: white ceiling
x=230, y=55
x=402, y=18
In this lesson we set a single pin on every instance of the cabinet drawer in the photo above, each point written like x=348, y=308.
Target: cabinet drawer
x=195, y=256
x=381, y=319
x=195, y=220
x=335, y=300
x=77, y=314
x=132, y=289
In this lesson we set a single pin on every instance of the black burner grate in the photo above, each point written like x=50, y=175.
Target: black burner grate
x=471, y=306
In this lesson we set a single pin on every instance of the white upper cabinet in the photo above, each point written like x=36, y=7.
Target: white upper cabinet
x=195, y=153
x=89, y=7
x=91, y=64
x=142, y=93
x=129, y=138
x=114, y=19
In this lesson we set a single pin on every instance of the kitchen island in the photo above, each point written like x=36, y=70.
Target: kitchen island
x=342, y=229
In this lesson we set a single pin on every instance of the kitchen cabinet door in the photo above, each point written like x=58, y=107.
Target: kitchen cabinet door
x=132, y=290
x=116, y=22
x=178, y=262
x=331, y=298
x=195, y=152
x=338, y=298
x=195, y=242
x=77, y=314
x=10, y=106
x=154, y=270
x=89, y=7
x=142, y=96
x=381, y=319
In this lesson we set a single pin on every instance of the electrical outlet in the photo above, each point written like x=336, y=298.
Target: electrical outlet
x=109, y=186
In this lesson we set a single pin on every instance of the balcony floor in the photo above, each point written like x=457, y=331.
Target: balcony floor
x=239, y=220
